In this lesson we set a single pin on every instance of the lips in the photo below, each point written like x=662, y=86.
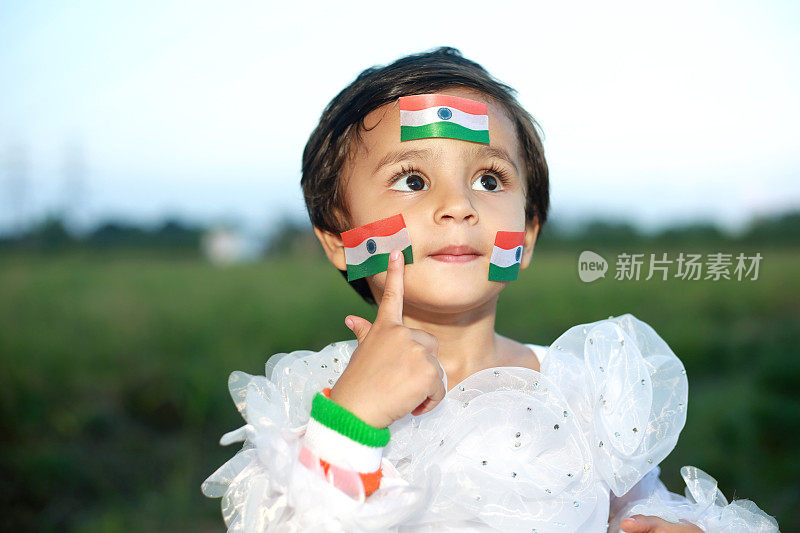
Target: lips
x=456, y=254
x=457, y=250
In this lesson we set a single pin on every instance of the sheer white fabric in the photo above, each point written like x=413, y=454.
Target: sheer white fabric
x=629, y=390
x=703, y=505
x=508, y=449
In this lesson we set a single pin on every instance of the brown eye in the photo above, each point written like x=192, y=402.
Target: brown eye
x=488, y=182
x=410, y=183
x=415, y=183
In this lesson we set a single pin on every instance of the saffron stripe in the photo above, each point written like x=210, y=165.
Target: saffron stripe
x=443, y=129
x=379, y=228
x=497, y=273
x=423, y=101
x=509, y=239
x=341, y=478
x=373, y=265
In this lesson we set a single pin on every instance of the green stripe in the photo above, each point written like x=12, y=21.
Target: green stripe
x=334, y=416
x=508, y=273
x=373, y=265
x=451, y=130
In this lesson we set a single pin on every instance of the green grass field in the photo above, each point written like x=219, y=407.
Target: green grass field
x=113, y=376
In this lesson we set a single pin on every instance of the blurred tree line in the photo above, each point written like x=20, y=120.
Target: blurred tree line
x=292, y=237
x=51, y=235
x=781, y=229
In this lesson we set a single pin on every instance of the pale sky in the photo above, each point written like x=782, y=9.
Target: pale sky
x=652, y=113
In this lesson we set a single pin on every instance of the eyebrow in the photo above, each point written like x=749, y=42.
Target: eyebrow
x=498, y=152
x=482, y=151
x=402, y=155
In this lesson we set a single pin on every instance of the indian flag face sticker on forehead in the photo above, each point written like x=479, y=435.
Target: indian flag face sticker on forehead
x=367, y=247
x=506, y=256
x=442, y=115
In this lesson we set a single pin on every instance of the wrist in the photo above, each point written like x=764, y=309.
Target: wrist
x=363, y=414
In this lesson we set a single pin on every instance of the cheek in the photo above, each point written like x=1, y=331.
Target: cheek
x=364, y=210
x=418, y=232
x=509, y=213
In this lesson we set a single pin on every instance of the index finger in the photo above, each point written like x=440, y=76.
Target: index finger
x=391, y=306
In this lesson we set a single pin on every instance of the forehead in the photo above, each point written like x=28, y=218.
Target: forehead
x=381, y=133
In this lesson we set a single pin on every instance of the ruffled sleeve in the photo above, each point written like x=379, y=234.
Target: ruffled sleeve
x=629, y=391
x=704, y=505
x=266, y=486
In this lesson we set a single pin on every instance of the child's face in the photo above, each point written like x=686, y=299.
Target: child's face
x=451, y=197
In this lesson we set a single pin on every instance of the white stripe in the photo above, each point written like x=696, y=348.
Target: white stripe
x=427, y=116
x=359, y=254
x=341, y=451
x=505, y=258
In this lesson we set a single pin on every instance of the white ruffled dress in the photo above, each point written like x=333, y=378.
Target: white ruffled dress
x=574, y=447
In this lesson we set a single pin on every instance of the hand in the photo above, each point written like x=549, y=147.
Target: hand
x=395, y=369
x=651, y=524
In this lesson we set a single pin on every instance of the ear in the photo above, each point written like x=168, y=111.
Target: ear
x=531, y=233
x=333, y=246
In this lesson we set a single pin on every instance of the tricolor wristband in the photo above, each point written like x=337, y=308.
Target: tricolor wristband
x=338, y=438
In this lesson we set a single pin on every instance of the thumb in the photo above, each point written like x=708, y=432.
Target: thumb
x=652, y=524
x=638, y=524
x=359, y=326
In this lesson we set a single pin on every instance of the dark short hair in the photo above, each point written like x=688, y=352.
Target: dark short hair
x=342, y=121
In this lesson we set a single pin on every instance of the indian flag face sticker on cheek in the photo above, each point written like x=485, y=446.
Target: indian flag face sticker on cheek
x=367, y=247
x=506, y=256
x=442, y=115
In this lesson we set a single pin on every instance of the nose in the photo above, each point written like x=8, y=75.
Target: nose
x=454, y=204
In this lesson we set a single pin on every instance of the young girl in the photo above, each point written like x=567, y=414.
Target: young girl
x=429, y=420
